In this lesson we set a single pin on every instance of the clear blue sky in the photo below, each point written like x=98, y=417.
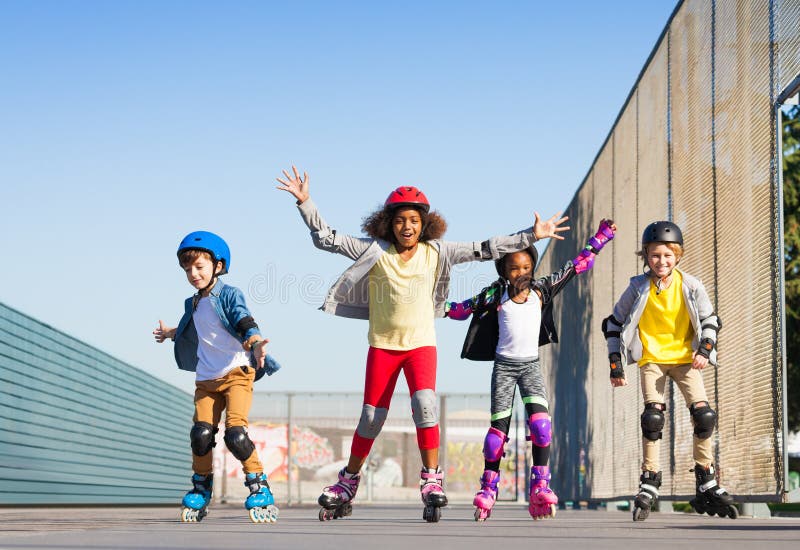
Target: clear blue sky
x=127, y=124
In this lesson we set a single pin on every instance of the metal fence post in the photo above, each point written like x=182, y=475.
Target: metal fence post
x=443, y=432
x=516, y=455
x=289, y=457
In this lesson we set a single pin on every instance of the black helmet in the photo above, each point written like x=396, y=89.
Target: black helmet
x=498, y=264
x=662, y=232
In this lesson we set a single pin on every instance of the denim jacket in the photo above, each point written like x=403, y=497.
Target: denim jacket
x=228, y=301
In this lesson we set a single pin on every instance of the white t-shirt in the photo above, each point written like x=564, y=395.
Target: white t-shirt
x=519, y=327
x=218, y=352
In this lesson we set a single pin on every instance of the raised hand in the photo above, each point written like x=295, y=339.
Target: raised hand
x=163, y=332
x=549, y=228
x=294, y=184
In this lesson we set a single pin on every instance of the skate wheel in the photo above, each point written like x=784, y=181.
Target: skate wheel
x=344, y=510
x=264, y=515
x=640, y=514
x=431, y=514
x=552, y=511
x=190, y=515
x=325, y=514
x=733, y=512
x=481, y=514
x=258, y=515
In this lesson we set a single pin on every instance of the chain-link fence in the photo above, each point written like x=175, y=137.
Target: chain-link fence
x=696, y=143
x=304, y=439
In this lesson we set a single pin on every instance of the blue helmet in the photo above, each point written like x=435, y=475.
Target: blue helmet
x=208, y=242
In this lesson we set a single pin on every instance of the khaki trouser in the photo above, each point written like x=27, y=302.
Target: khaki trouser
x=690, y=382
x=234, y=394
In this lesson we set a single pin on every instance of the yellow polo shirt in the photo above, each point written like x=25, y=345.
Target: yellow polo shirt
x=665, y=328
x=401, y=299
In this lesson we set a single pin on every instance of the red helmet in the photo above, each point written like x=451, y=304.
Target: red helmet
x=407, y=196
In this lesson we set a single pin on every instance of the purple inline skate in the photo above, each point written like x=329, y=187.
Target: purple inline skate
x=543, y=501
x=485, y=498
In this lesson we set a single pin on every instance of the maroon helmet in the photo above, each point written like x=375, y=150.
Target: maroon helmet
x=407, y=196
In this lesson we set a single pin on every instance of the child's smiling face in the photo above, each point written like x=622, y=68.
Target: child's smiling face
x=200, y=272
x=661, y=259
x=407, y=227
x=518, y=269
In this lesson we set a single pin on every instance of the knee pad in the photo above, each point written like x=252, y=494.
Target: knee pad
x=201, y=437
x=652, y=421
x=371, y=421
x=493, y=444
x=424, y=409
x=238, y=442
x=541, y=429
x=704, y=420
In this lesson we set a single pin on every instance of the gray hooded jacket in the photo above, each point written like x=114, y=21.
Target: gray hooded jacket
x=622, y=327
x=349, y=295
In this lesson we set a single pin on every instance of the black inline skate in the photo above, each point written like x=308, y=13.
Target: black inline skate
x=649, y=484
x=711, y=499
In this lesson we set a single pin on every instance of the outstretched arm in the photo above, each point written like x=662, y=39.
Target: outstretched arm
x=550, y=285
x=496, y=247
x=585, y=260
x=324, y=237
x=295, y=185
x=463, y=310
x=163, y=332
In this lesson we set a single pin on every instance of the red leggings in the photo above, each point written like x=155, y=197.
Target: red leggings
x=383, y=368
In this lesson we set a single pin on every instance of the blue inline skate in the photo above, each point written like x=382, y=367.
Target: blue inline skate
x=260, y=504
x=195, y=502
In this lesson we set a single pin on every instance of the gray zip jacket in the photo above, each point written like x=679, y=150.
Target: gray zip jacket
x=349, y=295
x=621, y=329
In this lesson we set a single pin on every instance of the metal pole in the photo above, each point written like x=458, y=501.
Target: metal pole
x=516, y=455
x=443, y=432
x=223, y=498
x=782, y=296
x=289, y=457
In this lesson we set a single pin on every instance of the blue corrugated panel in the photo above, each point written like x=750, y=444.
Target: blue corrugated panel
x=78, y=426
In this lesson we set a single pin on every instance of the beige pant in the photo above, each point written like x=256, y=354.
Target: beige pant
x=234, y=394
x=690, y=382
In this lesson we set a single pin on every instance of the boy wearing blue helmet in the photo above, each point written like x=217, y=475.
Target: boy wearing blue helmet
x=218, y=339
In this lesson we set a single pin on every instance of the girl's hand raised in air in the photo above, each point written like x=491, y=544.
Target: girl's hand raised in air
x=296, y=185
x=549, y=228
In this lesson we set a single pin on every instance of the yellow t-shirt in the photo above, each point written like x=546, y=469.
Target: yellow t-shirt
x=665, y=328
x=401, y=299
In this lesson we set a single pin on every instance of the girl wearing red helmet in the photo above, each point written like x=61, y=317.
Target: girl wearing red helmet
x=399, y=283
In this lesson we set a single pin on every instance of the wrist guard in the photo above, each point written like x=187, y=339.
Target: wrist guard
x=706, y=347
x=615, y=360
x=459, y=310
x=604, y=234
x=585, y=260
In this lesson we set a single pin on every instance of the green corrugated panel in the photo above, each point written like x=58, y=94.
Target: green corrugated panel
x=78, y=426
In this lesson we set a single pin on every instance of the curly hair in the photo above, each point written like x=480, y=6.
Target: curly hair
x=378, y=225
